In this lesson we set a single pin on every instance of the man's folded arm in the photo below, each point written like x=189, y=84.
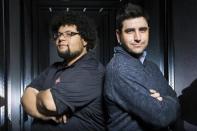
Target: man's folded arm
x=136, y=99
x=29, y=103
x=45, y=103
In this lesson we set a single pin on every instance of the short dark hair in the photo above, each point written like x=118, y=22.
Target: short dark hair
x=85, y=26
x=127, y=11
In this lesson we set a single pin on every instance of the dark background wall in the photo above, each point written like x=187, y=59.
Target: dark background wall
x=185, y=42
x=185, y=50
x=26, y=49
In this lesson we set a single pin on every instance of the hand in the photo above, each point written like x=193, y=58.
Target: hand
x=155, y=94
x=60, y=119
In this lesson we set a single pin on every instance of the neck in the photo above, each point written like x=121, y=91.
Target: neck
x=72, y=61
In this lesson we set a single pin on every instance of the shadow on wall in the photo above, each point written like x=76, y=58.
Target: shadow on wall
x=188, y=101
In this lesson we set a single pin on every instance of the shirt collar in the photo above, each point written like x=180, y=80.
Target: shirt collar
x=143, y=57
x=120, y=49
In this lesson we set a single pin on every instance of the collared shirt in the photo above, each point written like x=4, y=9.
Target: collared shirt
x=77, y=92
x=143, y=57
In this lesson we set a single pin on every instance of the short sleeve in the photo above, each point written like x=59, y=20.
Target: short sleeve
x=38, y=82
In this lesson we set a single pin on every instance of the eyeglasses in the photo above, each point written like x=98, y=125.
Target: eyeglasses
x=66, y=34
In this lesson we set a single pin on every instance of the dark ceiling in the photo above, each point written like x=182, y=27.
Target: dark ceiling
x=87, y=3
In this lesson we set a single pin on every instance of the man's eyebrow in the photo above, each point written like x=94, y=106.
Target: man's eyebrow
x=143, y=28
x=133, y=29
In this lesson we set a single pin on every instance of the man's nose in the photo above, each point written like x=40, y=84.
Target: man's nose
x=63, y=38
x=137, y=36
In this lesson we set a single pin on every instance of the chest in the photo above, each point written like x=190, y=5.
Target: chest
x=55, y=76
x=152, y=78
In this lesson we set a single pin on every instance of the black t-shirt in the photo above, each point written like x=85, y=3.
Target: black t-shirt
x=77, y=91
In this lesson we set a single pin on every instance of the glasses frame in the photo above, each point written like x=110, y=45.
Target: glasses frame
x=66, y=34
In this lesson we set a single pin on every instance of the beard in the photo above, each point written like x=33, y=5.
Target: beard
x=68, y=55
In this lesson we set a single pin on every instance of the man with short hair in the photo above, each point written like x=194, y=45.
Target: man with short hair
x=137, y=96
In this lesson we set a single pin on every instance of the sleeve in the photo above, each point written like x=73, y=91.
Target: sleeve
x=76, y=90
x=164, y=84
x=38, y=82
x=135, y=98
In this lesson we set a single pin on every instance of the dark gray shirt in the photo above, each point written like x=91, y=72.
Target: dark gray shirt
x=77, y=91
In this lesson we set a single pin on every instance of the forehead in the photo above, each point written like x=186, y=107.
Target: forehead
x=64, y=28
x=135, y=23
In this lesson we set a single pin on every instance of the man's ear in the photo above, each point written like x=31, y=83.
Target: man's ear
x=118, y=35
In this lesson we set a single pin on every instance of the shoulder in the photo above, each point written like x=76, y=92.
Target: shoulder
x=91, y=63
x=90, y=69
x=53, y=67
x=57, y=64
x=121, y=63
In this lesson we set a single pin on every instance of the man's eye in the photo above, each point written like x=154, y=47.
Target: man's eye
x=143, y=29
x=129, y=30
x=68, y=33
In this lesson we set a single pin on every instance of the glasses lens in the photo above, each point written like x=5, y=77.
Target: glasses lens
x=65, y=34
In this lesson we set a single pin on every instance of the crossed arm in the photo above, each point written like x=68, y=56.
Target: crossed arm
x=148, y=105
x=40, y=105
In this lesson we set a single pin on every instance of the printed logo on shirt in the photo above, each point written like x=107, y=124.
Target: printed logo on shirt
x=57, y=81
